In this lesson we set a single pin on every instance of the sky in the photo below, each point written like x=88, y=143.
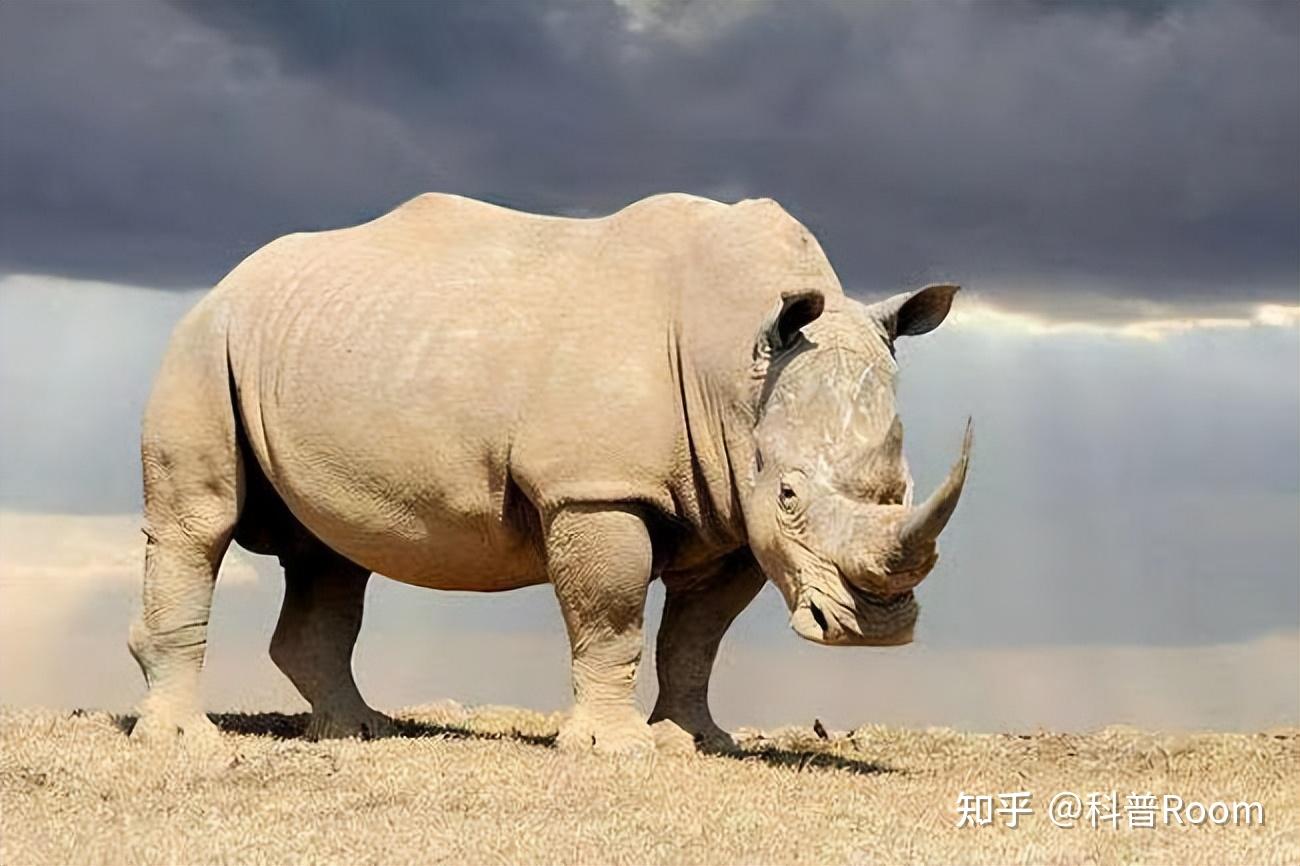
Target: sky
x=1116, y=185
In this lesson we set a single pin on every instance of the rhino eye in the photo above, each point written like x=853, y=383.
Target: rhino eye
x=787, y=496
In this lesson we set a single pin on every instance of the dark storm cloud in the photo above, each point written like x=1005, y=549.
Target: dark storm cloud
x=1142, y=152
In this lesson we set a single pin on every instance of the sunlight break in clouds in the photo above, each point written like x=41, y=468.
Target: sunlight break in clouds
x=57, y=567
x=42, y=551
x=976, y=315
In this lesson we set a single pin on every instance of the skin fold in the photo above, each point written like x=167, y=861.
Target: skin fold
x=461, y=396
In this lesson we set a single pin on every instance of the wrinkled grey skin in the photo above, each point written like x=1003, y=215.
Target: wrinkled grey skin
x=460, y=396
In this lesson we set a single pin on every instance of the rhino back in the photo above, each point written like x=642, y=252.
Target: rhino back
x=404, y=383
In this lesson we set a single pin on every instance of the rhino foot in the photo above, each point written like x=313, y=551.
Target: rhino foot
x=363, y=723
x=676, y=739
x=606, y=731
x=193, y=731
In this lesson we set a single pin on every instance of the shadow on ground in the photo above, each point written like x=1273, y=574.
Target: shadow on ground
x=803, y=760
x=293, y=726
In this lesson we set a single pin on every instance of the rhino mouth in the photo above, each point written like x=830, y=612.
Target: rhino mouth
x=850, y=616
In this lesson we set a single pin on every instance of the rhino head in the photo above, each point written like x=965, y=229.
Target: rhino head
x=829, y=510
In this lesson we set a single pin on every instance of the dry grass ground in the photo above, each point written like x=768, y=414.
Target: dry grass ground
x=484, y=786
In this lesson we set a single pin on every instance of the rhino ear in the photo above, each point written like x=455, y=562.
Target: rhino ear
x=913, y=313
x=780, y=328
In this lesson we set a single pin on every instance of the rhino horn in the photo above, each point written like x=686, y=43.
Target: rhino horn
x=928, y=519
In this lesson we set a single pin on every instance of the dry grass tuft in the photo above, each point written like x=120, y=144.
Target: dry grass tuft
x=485, y=786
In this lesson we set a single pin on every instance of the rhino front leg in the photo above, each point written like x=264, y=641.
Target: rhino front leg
x=324, y=597
x=695, y=618
x=599, y=559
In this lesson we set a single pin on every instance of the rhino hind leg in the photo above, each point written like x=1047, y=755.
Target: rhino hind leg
x=599, y=559
x=320, y=618
x=192, y=492
x=694, y=620
x=169, y=638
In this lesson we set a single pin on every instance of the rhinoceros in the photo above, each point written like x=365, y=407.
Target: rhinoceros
x=461, y=396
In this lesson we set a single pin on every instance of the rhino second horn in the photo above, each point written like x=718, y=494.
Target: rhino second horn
x=929, y=518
